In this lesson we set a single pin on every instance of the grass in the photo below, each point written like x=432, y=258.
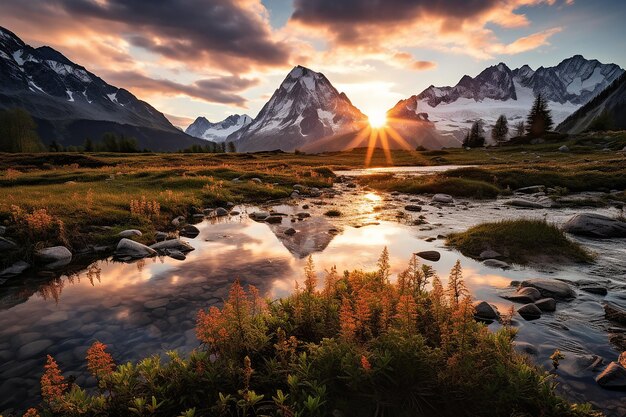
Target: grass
x=457, y=187
x=361, y=346
x=520, y=241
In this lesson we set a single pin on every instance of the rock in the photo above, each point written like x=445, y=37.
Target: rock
x=298, y=186
x=594, y=290
x=129, y=233
x=3, y=230
x=494, y=263
x=295, y=194
x=412, y=207
x=529, y=312
x=613, y=377
x=259, y=215
x=615, y=313
x=526, y=295
x=173, y=244
x=132, y=249
x=54, y=257
x=14, y=270
x=303, y=215
x=442, y=198
x=351, y=185
x=484, y=310
x=274, y=219
x=546, y=304
x=532, y=189
x=221, y=212
x=550, y=288
x=178, y=221
x=489, y=254
x=7, y=245
x=429, y=255
x=257, y=180
x=595, y=225
x=520, y=202
x=33, y=349
x=190, y=231
x=290, y=232
x=305, y=207
x=175, y=254
x=524, y=347
x=160, y=236
x=563, y=149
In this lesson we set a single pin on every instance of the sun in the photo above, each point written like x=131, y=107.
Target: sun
x=378, y=119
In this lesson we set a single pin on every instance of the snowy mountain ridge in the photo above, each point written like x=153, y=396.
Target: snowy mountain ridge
x=217, y=132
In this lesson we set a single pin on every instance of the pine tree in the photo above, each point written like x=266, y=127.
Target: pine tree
x=231, y=148
x=539, y=120
x=456, y=285
x=520, y=128
x=476, y=135
x=500, y=131
x=18, y=132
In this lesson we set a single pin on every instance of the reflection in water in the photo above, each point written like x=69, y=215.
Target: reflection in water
x=150, y=306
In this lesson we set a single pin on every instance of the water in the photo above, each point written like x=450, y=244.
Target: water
x=149, y=306
x=401, y=171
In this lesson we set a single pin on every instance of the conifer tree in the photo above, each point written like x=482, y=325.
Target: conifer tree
x=500, y=131
x=539, y=120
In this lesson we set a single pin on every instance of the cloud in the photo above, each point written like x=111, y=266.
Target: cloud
x=180, y=121
x=221, y=90
x=406, y=59
x=530, y=42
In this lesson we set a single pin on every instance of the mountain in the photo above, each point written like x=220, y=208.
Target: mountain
x=305, y=108
x=70, y=103
x=500, y=90
x=605, y=111
x=218, y=132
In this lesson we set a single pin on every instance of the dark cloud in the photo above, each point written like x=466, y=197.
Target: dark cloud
x=221, y=90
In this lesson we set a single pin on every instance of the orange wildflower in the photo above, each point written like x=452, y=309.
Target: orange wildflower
x=365, y=363
x=53, y=384
x=99, y=361
x=31, y=412
x=347, y=320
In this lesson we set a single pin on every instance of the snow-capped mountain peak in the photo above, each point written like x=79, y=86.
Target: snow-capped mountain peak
x=217, y=132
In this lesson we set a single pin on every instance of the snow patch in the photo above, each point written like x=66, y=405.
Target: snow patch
x=65, y=70
x=70, y=94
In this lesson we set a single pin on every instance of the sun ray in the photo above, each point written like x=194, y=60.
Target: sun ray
x=359, y=137
x=385, y=144
x=397, y=137
x=370, y=147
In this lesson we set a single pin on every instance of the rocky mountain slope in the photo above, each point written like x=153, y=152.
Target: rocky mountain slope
x=70, y=103
x=305, y=108
x=217, y=132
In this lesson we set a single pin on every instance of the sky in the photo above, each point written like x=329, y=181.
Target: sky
x=214, y=58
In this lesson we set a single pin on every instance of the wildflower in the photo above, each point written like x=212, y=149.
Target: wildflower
x=456, y=285
x=31, y=412
x=53, y=384
x=365, y=363
x=347, y=320
x=210, y=328
x=247, y=372
x=310, y=281
x=99, y=361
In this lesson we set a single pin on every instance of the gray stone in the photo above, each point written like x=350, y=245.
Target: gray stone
x=595, y=225
x=546, y=304
x=550, y=288
x=290, y=232
x=154, y=304
x=178, y=221
x=429, y=255
x=442, y=198
x=274, y=219
x=55, y=256
x=484, y=310
x=594, y=290
x=412, y=207
x=176, y=254
x=189, y=231
x=489, y=254
x=159, y=236
x=221, y=212
x=563, y=149
x=613, y=377
x=33, y=349
x=615, y=313
x=14, y=270
x=259, y=215
x=524, y=295
x=532, y=189
x=257, y=180
x=132, y=249
x=494, y=263
x=520, y=202
x=130, y=233
x=172, y=244
x=303, y=215
x=529, y=312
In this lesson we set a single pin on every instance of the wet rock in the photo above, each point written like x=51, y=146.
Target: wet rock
x=160, y=236
x=525, y=347
x=494, y=263
x=595, y=225
x=484, y=310
x=221, y=212
x=178, y=221
x=489, y=254
x=615, y=313
x=189, y=231
x=613, y=377
x=173, y=244
x=532, y=189
x=134, y=250
x=412, y=207
x=259, y=215
x=351, y=185
x=7, y=245
x=33, y=349
x=290, y=232
x=54, y=257
x=429, y=255
x=526, y=295
x=546, y=304
x=529, y=312
x=129, y=233
x=550, y=288
x=305, y=207
x=442, y=198
x=520, y=202
x=3, y=230
x=303, y=215
x=176, y=254
x=273, y=219
x=594, y=290
x=295, y=194
x=14, y=270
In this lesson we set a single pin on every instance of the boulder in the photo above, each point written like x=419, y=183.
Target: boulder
x=489, y=254
x=221, y=212
x=494, y=263
x=159, y=236
x=484, y=310
x=520, y=202
x=429, y=255
x=546, y=304
x=412, y=207
x=178, y=221
x=176, y=254
x=259, y=215
x=613, y=377
x=6, y=245
x=129, y=233
x=130, y=248
x=595, y=225
x=54, y=257
x=526, y=295
x=529, y=312
x=563, y=149
x=173, y=244
x=190, y=231
x=274, y=219
x=550, y=288
x=593, y=289
x=442, y=198
x=14, y=270
x=615, y=313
